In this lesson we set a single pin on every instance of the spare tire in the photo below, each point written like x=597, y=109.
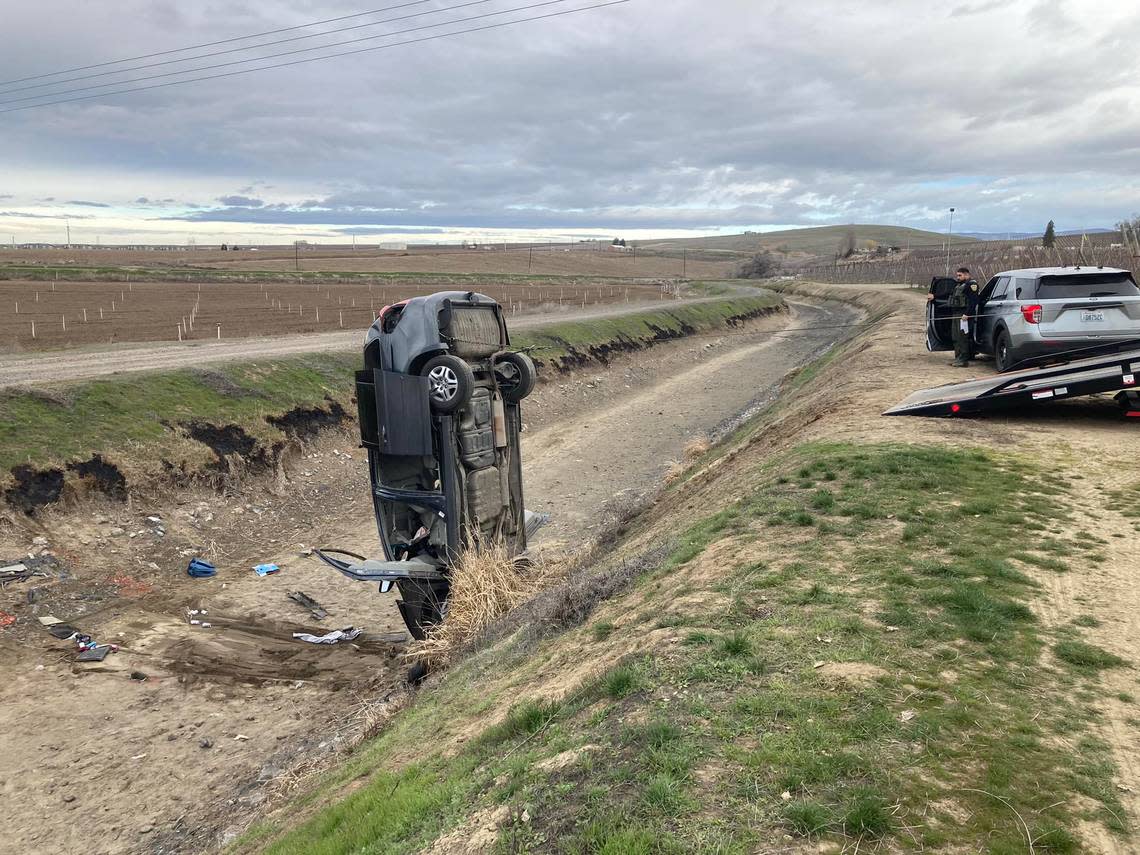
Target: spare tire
x=450, y=382
x=516, y=375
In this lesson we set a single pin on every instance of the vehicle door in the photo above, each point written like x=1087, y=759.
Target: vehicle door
x=939, y=333
x=993, y=298
x=1089, y=305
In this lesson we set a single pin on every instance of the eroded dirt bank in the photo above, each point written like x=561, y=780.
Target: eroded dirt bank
x=99, y=761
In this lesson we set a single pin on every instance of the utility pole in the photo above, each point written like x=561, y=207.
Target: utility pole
x=297, y=255
x=684, y=263
x=949, y=240
x=67, y=223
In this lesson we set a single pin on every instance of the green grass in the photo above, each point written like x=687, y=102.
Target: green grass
x=1086, y=656
x=554, y=343
x=601, y=630
x=739, y=736
x=133, y=411
x=620, y=681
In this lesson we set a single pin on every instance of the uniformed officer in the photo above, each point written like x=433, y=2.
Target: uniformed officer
x=964, y=303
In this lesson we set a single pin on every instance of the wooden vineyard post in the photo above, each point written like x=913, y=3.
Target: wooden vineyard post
x=180, y=332
x=33, y=329
x=219, y=332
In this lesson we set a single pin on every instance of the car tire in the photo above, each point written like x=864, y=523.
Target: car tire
x=1003, y=352
x=450, y=382
x=516, y=375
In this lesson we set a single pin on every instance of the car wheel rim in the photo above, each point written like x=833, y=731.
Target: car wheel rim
x=444, y=383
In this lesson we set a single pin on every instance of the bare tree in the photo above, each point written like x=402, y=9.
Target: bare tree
x=760, y=266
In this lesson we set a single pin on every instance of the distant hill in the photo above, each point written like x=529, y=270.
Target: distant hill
x=823, y=240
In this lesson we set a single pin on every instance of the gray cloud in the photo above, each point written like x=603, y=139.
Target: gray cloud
x=85, y=204
x=762, y=113
x=241, y=202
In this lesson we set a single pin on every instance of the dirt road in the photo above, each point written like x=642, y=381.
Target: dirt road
x=230, y=703
x=88, y=362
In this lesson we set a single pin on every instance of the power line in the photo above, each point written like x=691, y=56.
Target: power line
x=209, y=44
x=465, y=31
x=292, y=52
x=227, y=51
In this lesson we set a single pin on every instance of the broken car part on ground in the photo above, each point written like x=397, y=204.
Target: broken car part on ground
x=439, y=416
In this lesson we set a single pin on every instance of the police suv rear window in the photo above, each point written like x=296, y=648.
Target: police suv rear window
x=1087, y=285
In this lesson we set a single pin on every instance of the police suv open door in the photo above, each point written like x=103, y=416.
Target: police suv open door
x=939, y=332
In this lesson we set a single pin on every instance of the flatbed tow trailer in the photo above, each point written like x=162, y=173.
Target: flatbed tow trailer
x=1112, y=368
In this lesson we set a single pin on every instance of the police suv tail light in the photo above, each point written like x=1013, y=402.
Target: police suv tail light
x=1032, y=314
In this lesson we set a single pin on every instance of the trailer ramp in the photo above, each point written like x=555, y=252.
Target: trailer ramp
x=1090, y=375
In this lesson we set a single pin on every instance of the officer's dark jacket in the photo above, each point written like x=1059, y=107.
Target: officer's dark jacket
x=965, y=296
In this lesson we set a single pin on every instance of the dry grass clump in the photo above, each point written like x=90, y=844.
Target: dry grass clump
x=674, y=469
x=486, y=583
x=696, y=448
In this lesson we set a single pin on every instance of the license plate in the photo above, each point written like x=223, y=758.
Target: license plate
x=1087, y=317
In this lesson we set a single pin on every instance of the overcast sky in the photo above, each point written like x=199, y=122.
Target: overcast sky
x=655, y=116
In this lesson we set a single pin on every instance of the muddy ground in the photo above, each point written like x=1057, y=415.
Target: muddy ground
x=210, y=706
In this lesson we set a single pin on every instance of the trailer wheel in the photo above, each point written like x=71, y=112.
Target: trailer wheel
x=1003, y=359
x=516, y=375
x=451, y=382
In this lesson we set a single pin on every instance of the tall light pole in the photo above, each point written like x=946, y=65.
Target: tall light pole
x=949, y=239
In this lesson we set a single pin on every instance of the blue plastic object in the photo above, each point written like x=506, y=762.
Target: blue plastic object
x=265, y=569
x=200, y=569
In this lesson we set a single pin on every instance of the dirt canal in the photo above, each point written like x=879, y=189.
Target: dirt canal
x=210, y=707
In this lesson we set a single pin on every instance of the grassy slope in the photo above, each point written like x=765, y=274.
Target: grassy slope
x=127, y=413
x=845, y=653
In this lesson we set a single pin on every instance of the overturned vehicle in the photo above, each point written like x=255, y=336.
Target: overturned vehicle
x=438, y=401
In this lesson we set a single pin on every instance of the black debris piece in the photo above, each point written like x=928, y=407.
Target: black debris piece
x=94, y=654
x=306, y=602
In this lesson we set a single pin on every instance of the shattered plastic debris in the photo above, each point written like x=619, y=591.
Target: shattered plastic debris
x=346, y=634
